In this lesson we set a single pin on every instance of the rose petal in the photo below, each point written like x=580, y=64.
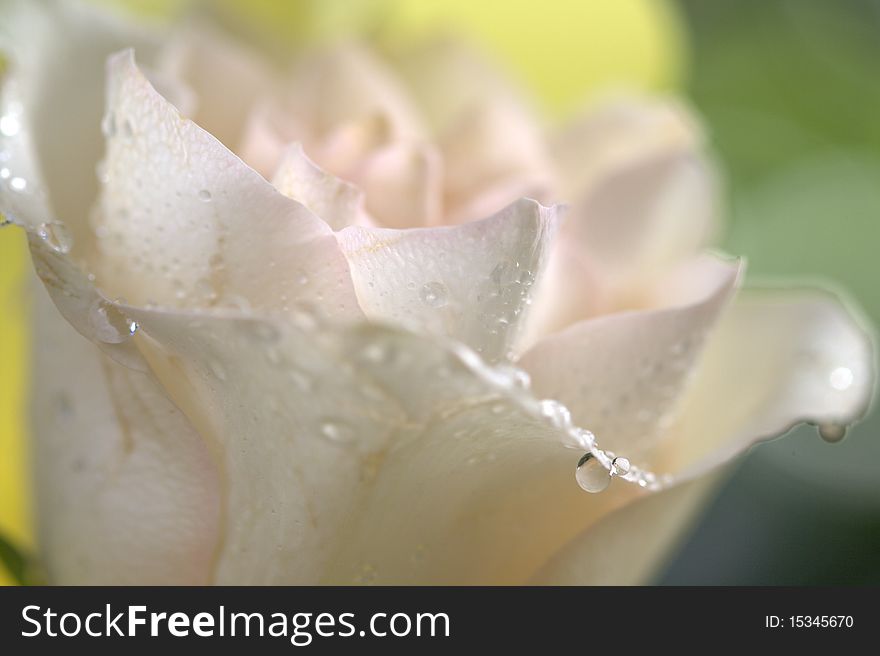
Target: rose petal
x=642, y=219
x=337, y=202
x=24, y=201
x=127, y=492
x=470, y=282
x=448, y=77
x=348, y=82
x=632, y=225
x=58, y=55
x=403, y=183
x=493, y=146
x=618, y=133
x=226, y=78
x=346, y=424
x=184, y=222
x=646, y=357
x=345, y=148
x=628, y=546
x=779, y=357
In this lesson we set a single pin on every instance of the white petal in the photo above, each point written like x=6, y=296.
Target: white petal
x=779, y=357
x=622, y=375
x=369, y=453
x=127, y=492
x=337, y=202
x=471, y=282
x=627, y=547
x=23, y=200
x=183, y=222
x=58, y=52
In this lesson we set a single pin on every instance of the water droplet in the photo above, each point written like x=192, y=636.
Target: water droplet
x=109, y=324
x=841, y=378
x=205, y=289
x=108, y=125
x=557, y=413
x=591, y=475
x=375, y=352
x=9, y=125
x=205, y=196
x=133, y=327
x=580, y=438
x=832, y=432
x=434, y=294
x=620, y=466
x=302, y=278
x=18, y=184
x=337, y=432
x=504, y=273
x=511, y=376
x=303, y=317
x=5, y=173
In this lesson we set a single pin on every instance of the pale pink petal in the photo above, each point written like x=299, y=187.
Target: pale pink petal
x=268, y=132
x=638, y=221
x=471, y=282
x=336, y=201
x=623, y=375
x=183, y=222
x=343, y=149
x=493, y=146
x=347, y=82
x=616, y=133
x=449, y=77
x=403, y=183
x=226, y=78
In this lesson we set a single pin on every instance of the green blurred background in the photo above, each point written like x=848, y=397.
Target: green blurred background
x=790, y=93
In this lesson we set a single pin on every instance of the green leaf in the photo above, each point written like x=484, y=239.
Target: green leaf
x=20, y=566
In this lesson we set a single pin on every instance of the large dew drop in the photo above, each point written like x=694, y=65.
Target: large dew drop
x=56, y=236
x=337, y=432
x=109, y=324
x=832, y=432
x=434, y=294
x=591, y=475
